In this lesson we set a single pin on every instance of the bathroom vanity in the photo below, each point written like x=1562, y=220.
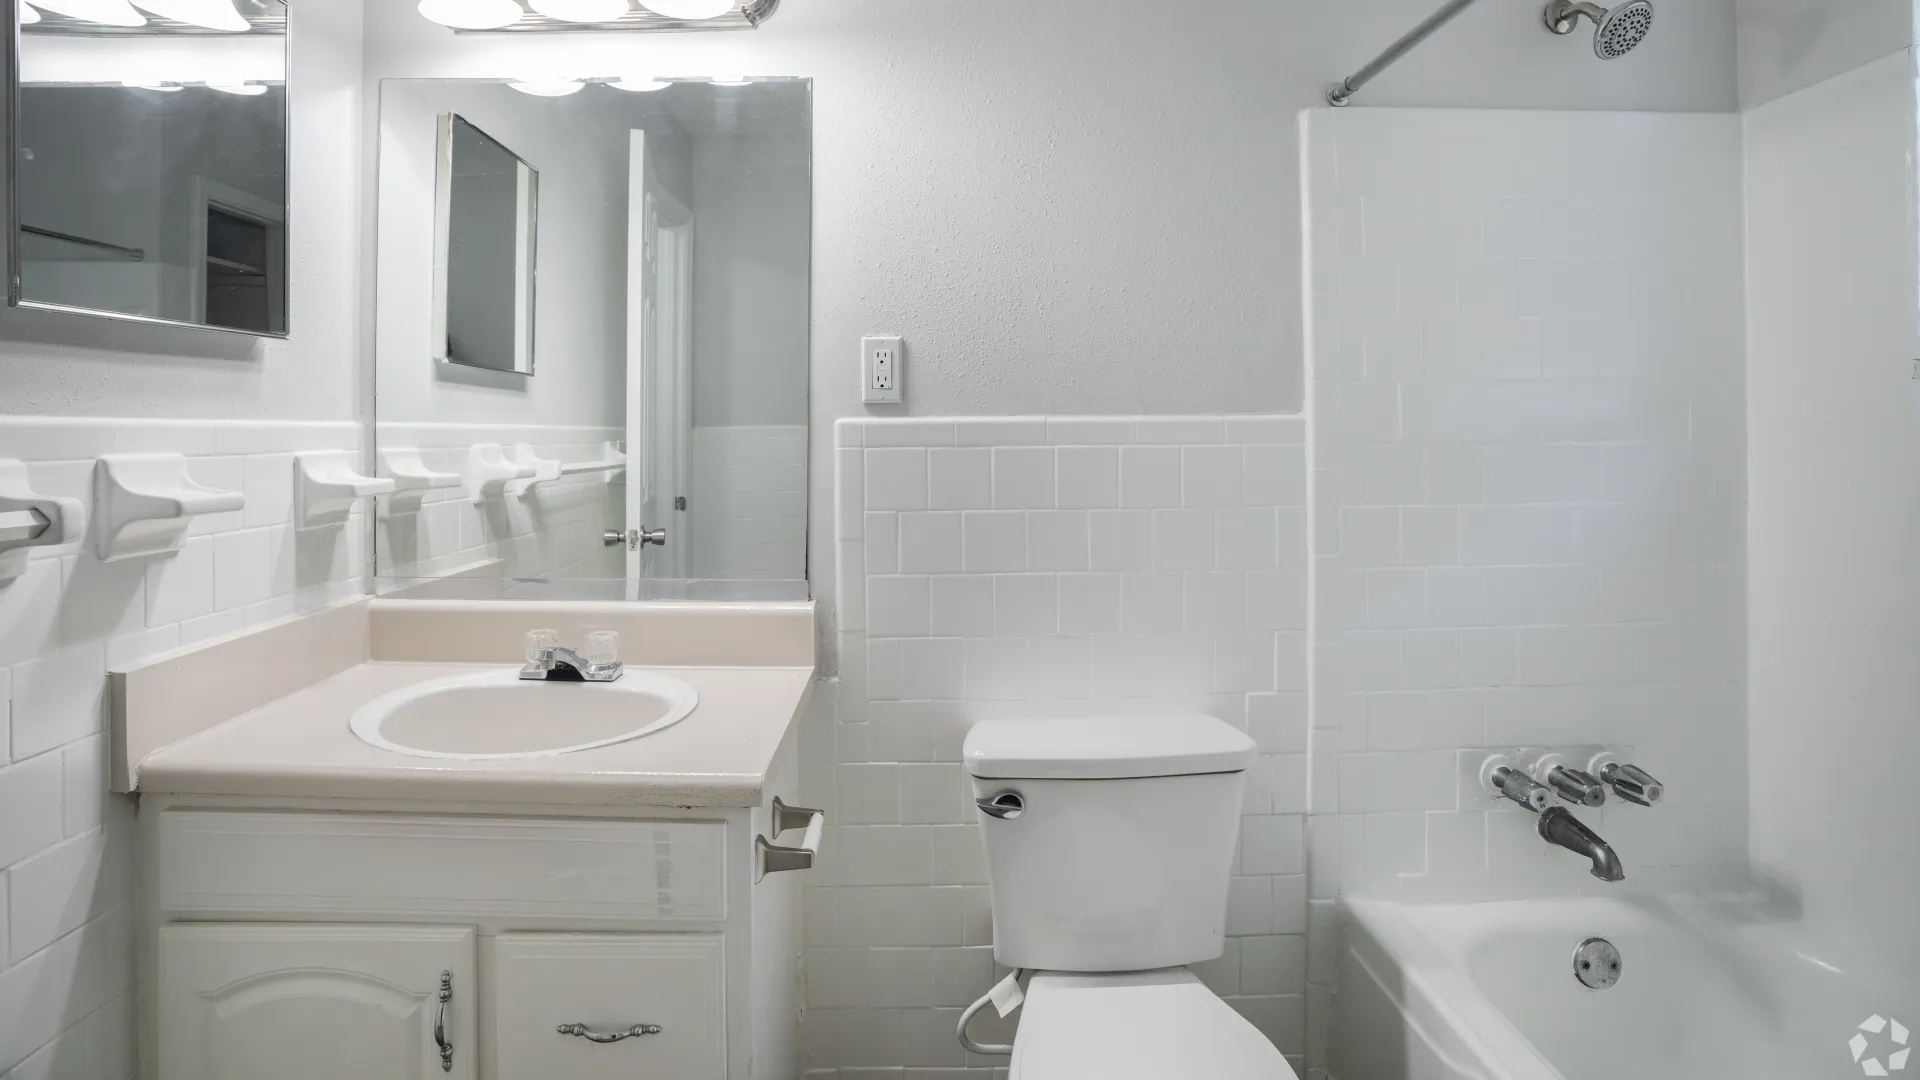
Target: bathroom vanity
x=313, y=905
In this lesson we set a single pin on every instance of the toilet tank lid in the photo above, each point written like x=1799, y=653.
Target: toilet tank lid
x=1106, y=748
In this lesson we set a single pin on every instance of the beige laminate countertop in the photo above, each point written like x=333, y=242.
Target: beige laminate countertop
x=301, y=747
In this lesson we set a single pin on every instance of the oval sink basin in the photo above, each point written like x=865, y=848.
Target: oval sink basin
x=495, y=715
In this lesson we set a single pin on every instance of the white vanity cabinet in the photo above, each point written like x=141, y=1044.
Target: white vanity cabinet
x=336, y=938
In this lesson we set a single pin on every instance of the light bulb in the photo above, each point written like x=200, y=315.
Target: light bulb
x=473, y=14
x=28, y=16
x=241, y=89
x=104, y=12
x=689, y=9
x=582, y=11
x=640, y=86
x=548, y=87
x=212, y=14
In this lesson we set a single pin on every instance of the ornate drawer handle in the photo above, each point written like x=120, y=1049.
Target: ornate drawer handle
x=440, y=1022
x=634, y=1032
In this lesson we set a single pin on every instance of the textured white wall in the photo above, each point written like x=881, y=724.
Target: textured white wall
x=1835, y=519
x=1087, y=206
x=65, y=366
x=1789, y=45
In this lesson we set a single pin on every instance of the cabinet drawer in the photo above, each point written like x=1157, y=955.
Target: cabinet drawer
x=215, y=861
x=609, y=984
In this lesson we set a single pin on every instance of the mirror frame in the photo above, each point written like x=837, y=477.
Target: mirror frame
x=443, y=246
x=10, y=123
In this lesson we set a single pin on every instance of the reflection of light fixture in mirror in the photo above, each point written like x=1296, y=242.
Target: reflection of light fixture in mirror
x=689, y=9
x=640, y=86
x=548, y=87
x=582, y=11
x=212, y=14
x=28, y=16
x=473, y=14
x=105, y=12
x=729, y=80
x=242, y=89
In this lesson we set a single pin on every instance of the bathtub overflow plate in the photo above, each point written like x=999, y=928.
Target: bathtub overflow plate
x=1596, y=963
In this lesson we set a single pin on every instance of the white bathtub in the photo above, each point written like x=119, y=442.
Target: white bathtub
x=1487, y=991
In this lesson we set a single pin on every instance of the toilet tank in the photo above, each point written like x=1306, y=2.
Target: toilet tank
x=1109, y=841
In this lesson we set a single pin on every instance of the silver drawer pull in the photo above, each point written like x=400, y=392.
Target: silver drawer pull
x=634, y=1032
x=772, y=859
x=440, y=1022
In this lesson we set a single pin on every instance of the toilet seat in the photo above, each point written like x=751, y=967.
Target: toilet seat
x=1139, y=1025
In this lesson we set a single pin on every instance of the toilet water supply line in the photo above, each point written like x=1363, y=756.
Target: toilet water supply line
x=1005, y=997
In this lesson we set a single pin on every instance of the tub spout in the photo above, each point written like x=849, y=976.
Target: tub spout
x=1559, y=827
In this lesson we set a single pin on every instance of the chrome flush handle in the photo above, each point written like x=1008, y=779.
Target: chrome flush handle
x=635, y=1032
x=440, y=1022
x=1003, y=805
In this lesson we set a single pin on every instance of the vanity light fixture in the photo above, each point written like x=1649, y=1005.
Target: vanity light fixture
x=640, y=86
x=548, y=87
x=582, y=11
x=729, y=80
x=473, y=14
x=28, y=14
x=240, y=89
x=104, y=12
x=156, y=87
x=693, y=10
x=212, y=14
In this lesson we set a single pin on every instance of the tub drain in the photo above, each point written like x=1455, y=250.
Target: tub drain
x=1596, y=963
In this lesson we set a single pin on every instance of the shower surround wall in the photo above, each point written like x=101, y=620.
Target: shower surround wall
x=1031, y=568
x=1525, y=384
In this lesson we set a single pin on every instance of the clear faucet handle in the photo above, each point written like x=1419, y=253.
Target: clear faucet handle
x=540, y=644
x=603, y=648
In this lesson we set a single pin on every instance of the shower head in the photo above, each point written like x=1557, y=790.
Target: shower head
x=1617, y=30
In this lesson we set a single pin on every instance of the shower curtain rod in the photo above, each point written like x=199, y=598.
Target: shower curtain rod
x=1343, y=91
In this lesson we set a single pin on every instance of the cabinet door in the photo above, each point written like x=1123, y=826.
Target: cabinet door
x=609, y=985
x=310, y=1002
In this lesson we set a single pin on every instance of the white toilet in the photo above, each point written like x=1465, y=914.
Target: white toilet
x=1109, y=844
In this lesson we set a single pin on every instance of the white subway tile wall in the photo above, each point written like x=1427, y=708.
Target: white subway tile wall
x=551, y=530
x=66, y=892
x=1032, y=567
x=747, y=514
x=1526, y=370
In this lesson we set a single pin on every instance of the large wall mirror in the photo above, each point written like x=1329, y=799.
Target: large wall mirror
x=592, y=338
x=148, y=178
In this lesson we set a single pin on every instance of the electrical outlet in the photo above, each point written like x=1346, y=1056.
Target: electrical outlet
x=882, y=360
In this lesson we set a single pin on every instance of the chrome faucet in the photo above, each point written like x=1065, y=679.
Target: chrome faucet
x=548, y=661
x=1560, y=828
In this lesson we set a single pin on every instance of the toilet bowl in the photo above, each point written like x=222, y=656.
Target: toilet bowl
x=1141, y=1025
x=1109, y=845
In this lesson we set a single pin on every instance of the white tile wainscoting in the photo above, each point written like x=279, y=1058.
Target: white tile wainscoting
x=553, y=530
x=1036, y=567
x=66, y=968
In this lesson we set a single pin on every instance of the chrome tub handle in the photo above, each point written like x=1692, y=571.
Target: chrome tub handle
x=440, y=1022
x=634, y=1032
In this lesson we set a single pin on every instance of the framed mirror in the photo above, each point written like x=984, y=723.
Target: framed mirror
x=592, y=337
x=148, y=173
x=486, y=216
